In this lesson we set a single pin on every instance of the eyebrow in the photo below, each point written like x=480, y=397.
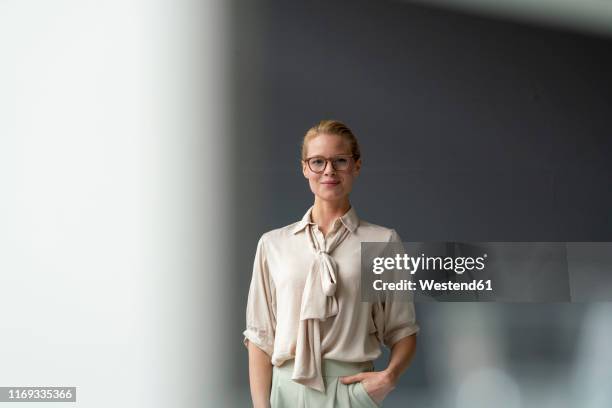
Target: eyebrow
x=333, y=155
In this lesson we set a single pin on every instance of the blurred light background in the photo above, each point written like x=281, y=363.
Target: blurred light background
x=146, y=145
x=113, y=199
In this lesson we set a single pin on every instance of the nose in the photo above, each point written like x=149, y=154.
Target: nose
x=329, y=168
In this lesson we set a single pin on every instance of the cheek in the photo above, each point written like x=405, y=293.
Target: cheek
x=312, y=181
x=348, y=180
x=348, y=184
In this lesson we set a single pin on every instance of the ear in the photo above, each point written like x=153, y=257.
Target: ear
x=304, y=169
x=357, y=166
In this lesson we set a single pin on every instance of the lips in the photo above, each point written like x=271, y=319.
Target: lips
x=330, y=183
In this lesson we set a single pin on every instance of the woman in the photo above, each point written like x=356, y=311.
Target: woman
x=311, y=340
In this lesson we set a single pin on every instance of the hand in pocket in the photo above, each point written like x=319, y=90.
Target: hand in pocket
x=378, y=384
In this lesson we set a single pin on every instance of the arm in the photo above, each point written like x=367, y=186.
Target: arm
x=260, y=376
x=399, y=317
x=395, y=321
x=401, y=355
x=260, y=329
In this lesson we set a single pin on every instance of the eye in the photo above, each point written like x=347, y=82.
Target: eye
x=342, y=161
x=317, y=161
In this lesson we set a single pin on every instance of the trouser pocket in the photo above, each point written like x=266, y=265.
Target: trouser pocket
x=365, y=397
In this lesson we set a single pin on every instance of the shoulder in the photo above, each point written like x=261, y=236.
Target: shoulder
x=279, y=234
x=368, y=231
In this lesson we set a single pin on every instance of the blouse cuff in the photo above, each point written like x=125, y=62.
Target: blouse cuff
x=397, y=335
x=259, y=339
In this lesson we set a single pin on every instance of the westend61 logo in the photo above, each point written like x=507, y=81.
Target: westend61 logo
x=481, y=271
x=413, y=264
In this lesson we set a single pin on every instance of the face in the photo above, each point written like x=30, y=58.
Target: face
x=331, y=184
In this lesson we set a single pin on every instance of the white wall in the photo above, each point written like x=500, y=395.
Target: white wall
x=111, y=124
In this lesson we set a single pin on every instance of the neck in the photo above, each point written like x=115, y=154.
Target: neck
x=324, y=213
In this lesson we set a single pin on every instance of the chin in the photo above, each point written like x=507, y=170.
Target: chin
x=331, y=197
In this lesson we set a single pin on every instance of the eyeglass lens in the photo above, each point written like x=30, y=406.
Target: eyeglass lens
x=317, y=164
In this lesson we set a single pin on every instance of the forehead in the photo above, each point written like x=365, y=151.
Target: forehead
x=328, y=145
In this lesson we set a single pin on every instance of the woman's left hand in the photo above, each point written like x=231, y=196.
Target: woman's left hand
x=376, y=383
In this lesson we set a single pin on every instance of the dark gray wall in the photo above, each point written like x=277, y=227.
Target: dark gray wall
x=471, y=129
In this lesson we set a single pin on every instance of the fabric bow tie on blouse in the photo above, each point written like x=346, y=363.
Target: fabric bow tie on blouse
x=318, y=304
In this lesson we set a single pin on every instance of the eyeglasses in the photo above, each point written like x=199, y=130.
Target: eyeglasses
x=317, y=164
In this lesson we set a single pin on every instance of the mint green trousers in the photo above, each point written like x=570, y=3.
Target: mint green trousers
x=286, y=393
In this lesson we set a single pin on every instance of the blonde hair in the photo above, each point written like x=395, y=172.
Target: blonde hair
x=332, y=127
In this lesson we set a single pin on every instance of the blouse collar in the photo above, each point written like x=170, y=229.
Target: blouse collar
x=349, y=219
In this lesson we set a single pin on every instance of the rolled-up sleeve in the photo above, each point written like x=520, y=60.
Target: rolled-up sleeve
x=394, y=318
x=261, y=304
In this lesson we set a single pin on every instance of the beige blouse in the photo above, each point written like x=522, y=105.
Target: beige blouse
x=305, y=298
